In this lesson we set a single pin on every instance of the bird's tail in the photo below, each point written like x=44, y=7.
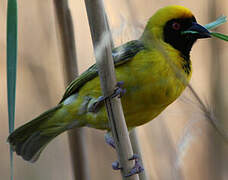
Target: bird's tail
x=30, y=139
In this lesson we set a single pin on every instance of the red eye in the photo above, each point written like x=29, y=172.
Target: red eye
x=176, y=26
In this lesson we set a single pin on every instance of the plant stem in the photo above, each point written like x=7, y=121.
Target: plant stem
x=99, y=29
x=76, y=136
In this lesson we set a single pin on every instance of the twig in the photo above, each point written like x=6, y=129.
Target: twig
x=76, y=136
x=98, y=27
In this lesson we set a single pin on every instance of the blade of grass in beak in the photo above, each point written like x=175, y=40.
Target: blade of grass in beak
x=221, y=20
x=220, y=36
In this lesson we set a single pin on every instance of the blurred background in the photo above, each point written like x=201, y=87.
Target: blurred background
x=179, y=144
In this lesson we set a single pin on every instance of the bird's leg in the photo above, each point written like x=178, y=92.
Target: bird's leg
x=138, y=168
x=116, y=165
x=95, y=104
x=109, y=140
x=119, y=91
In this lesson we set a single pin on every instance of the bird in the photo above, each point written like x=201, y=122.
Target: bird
x=144, y=67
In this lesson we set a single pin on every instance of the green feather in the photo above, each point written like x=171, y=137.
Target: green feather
x=29, y=140
x=121, y=55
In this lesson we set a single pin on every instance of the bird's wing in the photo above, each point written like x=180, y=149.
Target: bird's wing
x=121, y=55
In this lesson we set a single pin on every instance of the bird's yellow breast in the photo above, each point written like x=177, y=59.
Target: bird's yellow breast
x=151, y=85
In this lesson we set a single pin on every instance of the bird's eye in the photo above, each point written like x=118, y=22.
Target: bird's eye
x=176, y=26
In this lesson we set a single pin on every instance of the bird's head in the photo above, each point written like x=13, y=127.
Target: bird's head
x=168, y=24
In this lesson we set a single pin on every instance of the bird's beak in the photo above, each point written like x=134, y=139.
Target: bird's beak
x=202, y=32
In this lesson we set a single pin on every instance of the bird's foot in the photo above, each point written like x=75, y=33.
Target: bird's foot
x=116, y=165
x=109, y=140
x=96, y=105
x=118, y=92
x=138, y=168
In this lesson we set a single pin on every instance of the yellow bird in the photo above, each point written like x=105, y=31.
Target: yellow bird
x=147, y=67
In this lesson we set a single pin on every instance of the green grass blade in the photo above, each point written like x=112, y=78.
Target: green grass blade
x=220, y=36
x=221, y=20
x=11, y=67
x=11, y=59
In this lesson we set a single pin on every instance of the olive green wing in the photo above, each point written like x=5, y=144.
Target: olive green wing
x=121, y=55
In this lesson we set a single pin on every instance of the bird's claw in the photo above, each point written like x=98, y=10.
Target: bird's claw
x=95, y=106
x=118, y=92
x=134, y=157
x=138, y=168
x=116, y=165
x=110, y=141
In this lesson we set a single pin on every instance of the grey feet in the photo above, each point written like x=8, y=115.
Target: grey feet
x=109, y=140
x=116, y=165
x=118, y=92
x=138, y=168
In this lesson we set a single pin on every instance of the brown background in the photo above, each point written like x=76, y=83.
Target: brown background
x=179, y=144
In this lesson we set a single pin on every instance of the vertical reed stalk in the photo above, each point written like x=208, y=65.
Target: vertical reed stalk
x=215, y=144
x=66, y=35
x=133, y=132
x=98, y=27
